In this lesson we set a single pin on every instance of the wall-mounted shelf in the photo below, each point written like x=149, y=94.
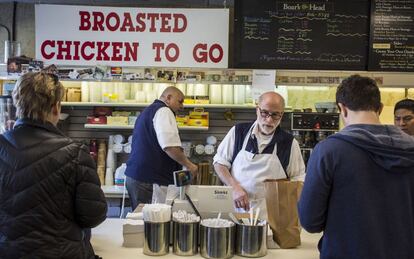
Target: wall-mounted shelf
x=126, y=104
x=130, y=127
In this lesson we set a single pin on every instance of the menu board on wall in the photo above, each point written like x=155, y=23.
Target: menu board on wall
x=392, y=35
x=329, y=34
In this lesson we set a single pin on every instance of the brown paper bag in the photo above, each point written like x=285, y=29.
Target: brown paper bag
x=281, y=201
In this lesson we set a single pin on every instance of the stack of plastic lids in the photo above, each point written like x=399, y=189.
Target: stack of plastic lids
x=119, y=90
x=147, y=87
x=201, y=90
x=84, y=92
x=249, y=98
x=190, y=90
x=227, y=94
x=156, y=212
x=239, y=94
x=215, y=94
x=95, y=92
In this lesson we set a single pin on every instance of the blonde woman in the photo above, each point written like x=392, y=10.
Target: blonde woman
x=49, y=189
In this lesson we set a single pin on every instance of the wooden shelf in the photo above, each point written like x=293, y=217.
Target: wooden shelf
x=126, y=104
x=130, y=127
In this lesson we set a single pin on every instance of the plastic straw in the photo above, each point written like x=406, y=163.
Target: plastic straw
x=256, y=216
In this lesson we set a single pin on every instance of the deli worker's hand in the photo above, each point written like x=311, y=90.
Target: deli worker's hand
x=240, y=197
x=193, y=169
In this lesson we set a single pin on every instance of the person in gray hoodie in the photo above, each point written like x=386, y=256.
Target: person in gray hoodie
x=359, y=185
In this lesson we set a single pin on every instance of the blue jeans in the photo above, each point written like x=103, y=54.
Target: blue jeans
x=138, y=192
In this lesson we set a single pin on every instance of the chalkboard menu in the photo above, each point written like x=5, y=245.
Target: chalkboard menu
x=328, y=34
x=392, y=35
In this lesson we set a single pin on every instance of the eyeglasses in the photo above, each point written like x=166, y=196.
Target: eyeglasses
x=405, y=119
x=265, y=114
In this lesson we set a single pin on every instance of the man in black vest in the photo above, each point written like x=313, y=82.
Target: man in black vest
x=253, y=152
x=156, y=148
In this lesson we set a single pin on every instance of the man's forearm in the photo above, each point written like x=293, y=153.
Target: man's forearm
x=178, y=155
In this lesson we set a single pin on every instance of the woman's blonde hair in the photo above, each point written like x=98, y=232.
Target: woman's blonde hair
x=35, y=94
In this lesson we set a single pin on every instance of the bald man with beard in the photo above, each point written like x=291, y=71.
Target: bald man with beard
x=253, y=152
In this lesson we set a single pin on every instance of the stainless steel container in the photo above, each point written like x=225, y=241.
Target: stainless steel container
x=185, y=238
x=217, y=242
x=251, y=240
x=156, y=238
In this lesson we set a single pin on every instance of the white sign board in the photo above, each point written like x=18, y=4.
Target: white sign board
x=115, y=36
x=263, y=81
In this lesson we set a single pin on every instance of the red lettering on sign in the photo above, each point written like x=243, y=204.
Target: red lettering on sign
x=85, y=24
x=63, y=49
x=202, y=55
x=116, y=47
x=76, y=45
x=165, y=18
x=131, y=51
x=152, y=17
x=102, y=47
x=127, y=23
x=219, y=49
x=157, y=47
x=89, y=44
x=168, y=54
x=141, y=24
x=98, y=21
x=177, y=18
x=113, y=16
x=46, y=43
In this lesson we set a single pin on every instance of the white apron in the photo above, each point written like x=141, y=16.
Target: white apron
x=250, y=170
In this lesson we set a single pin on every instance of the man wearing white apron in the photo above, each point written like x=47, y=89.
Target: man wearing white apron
x=253, y=152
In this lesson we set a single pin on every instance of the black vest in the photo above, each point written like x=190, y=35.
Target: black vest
x=282, y=138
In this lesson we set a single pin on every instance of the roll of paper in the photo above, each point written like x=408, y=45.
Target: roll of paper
x=84, y=92
x=249, y=98
x=136, y=87
x=151, y=96
x=227, y=94
x=119, y=90
x=140, y=97
x=239, y=94
x=200, y=90
x=215, y=94
x=147, y=87
x=107, y=91
x=190, y=90
x=95, y=92
x=127, y=91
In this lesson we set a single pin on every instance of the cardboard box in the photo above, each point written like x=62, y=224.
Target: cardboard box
x=117, y=120
x=198, y=117
x=73, y=95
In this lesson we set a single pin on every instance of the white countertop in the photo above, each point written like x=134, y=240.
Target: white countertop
x=113, y=191
x=107, y=243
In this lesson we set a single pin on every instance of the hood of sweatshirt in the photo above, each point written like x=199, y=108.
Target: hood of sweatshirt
x=387, y=145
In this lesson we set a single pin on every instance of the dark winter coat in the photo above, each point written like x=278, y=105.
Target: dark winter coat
x=49, y=192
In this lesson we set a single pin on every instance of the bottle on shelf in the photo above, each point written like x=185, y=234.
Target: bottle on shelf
x=120, y=175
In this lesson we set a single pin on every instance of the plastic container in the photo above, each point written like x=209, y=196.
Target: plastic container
x=185, y=238
x=251, y=240
x=156, y=238
x=217, y=242
x=120, y=175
